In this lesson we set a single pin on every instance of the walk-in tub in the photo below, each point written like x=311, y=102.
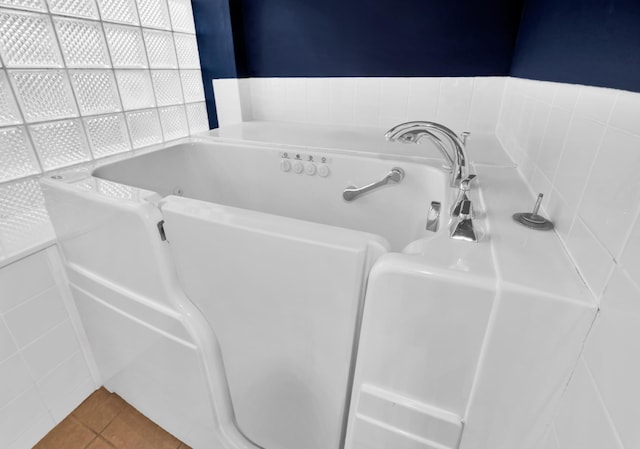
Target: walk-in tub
x=222, y=285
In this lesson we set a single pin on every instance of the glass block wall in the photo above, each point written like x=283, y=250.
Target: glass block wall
x=85, y=79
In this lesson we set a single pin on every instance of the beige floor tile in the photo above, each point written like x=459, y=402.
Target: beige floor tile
x=69, y=434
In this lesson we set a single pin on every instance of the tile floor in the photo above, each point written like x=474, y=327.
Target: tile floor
x=105, y=421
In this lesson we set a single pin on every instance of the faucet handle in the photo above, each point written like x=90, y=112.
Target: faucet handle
x=466, y=209
x=464, y=135
x=463, y=228
x=465, y=184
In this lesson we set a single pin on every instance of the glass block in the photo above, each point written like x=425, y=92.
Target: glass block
x=181, y=16
x=144, y=128
x=160, y=49
x=27, y=40
x=82, y=43
x=9, y=114
x=75, y=8
x=135, y=89
x=187, y=50
x=121, y=11
x=197, y=117
x=166, y=85
x=174, y=122
x=154, y=14
x=33, y=5
x=107, y=134
x=17, y=158
x=43, y=95
x=126, y=47
x=96, y=91
x=192, y=85
x=60, y=144
x=109, y=188
x=23, y=218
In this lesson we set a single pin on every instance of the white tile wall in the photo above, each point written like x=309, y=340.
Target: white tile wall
x=583, y=153
x=461, y=103
x=43, y=371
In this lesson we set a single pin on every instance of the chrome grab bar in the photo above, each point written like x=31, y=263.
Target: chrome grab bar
x=396, y=174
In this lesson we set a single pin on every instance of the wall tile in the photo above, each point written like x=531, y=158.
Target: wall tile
x=160, y=50
x=630, y=259
x=82, y=42
x=37, y=427
x=454, y=102
x=593, y=260
x=582, y=422
x=366, y=102
x=120, y=11
x=96, y=91
x=423, y=99
x=595, y=103
x=17, y=158
x=192, y=85
x=77, y=8
x=24, y=279
x=580, y=147
x=51, y=349
x=187, y=50
x=626, y=112
x=154, y=14
x=15, y=379
x=9, y=114
x=18, y=417
x=341, y=100
x=63, y=380
x=60, y=144
x=43, y=95
x=485, y=103
x=174, y=122
x=610, y=355
x=126, y=47
x=136, y=90
x=167, y=87
x=197, y=117
x=566, y=96
x=34, y=317
x=27, y=40
x=181, y=16
x=35, y=5
x=107, y=135
x=144, y=128
x=7, y=346
x=553, y=141
x=394, y=101
x=612, y=197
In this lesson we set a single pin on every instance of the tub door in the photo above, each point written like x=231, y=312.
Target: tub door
x=284, y=297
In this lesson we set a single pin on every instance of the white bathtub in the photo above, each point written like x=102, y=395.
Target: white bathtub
x=225, y=299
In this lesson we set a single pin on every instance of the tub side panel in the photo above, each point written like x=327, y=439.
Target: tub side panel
x=152, y=346
x=283, y=298
x=420, y=343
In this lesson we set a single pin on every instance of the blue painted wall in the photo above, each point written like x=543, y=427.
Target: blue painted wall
x=376, y=37
x=593, y=42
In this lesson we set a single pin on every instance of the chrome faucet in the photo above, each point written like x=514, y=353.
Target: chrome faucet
x=456, y=157
x=456, y=161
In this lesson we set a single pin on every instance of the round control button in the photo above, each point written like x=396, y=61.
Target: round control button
x=310, y=169
x=323, y=170
x=285, y=165
x=297, y=167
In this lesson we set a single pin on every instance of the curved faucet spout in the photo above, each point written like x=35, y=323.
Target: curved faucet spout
x=412, y=132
